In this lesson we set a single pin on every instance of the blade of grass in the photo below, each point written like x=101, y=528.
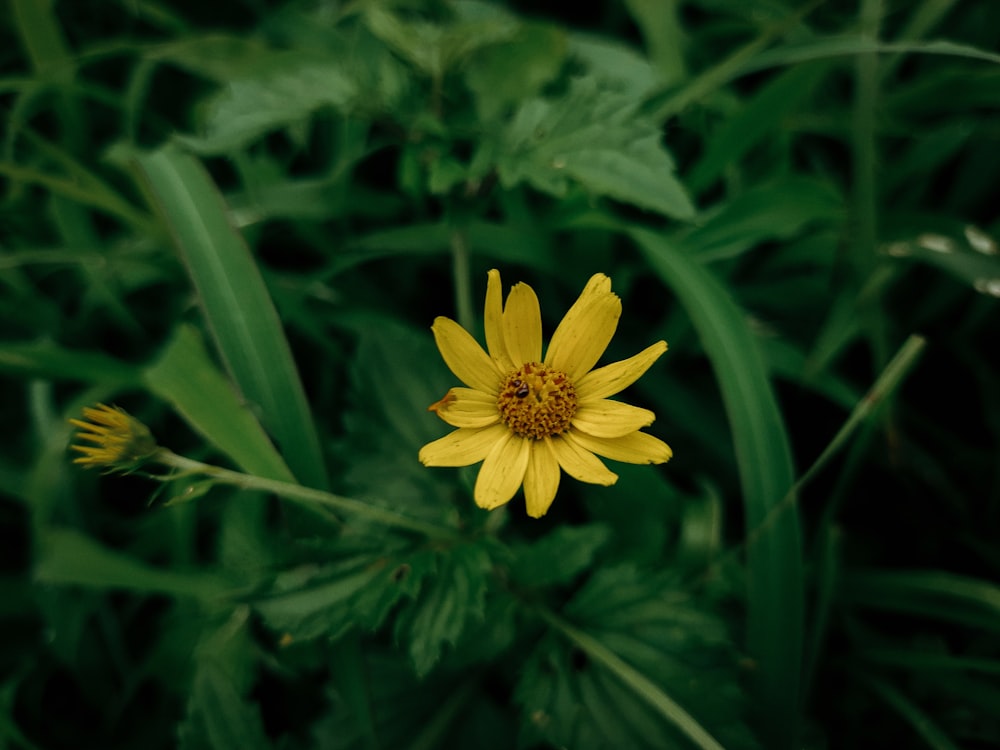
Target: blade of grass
x=935, y=594
x=932, y=735
x=774, y=556
x=759, y=118
x=238, y=308
x=69, y=557
x=723, y=72
x=186, y=378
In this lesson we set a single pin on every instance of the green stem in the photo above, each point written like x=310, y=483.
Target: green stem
x=635, y=680
x=460, y=270
x=305, y=495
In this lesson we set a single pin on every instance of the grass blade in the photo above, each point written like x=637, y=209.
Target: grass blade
x=774, y=554
x=238, y=308
x=186, y=377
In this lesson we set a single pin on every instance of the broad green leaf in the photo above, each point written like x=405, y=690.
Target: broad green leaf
x=557, y=557
x=238, y=309
x=188, y=380
x=435, y=48
x=774, y=545
x=617, y=65
x=68, y=557
x=283, y=89
x=216, y=56
x=589, y=137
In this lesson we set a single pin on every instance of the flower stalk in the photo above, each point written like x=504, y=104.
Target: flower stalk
x=114, y=440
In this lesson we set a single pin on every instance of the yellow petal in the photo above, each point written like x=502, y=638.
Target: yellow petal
x=541, y=480
x=586, y=330
x=502, y=471
x=606, y=418
x=463, y=446
x=579, y=463
x=493, y=323
x=637, y=448
x=465, y=357
x=467, y=407
x=616, y=377
x=522, y=325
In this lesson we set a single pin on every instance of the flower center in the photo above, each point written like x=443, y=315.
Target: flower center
x=536, y=401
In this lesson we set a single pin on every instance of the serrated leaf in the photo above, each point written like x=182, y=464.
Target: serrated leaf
x=591, y=137
x=559, y=556
x=283, y=89
x=434, y=48
x=657, y=627
x=358, y=592
x=449, y=601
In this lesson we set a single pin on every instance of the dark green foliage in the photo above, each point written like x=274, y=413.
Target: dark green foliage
x=238, y=222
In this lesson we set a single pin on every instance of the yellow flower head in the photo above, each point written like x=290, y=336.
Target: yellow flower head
x=526, y=417
x=121, y=442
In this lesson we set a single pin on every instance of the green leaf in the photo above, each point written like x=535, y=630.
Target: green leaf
x=504, y=74
x=592, y=137
x=188, y=380
x=759, y=118
x=777, y=210
x=935, y=594
x=435, y=48
x=557, y=557
x=47, y=360
x=219, y=718
x=238, y=309
x=651, y=669
x=357, y=592
x=451, y=599
x=774, y=545
x=67, y=557
x=283, y=89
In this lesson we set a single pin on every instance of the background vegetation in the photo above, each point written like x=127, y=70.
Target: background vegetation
x=238, y=220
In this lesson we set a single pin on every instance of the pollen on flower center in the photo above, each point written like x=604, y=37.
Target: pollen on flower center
x=536, y=401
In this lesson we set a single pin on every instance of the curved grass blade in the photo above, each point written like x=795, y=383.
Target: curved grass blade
x=238, y=308
x=186, y=378
x=774, y=549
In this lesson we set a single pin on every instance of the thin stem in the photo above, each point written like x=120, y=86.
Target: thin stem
x=305, y=495
x=635, y=680
x=460, y=270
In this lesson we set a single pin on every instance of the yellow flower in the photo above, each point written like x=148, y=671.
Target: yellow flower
x=526, y=417
x=121, y=441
